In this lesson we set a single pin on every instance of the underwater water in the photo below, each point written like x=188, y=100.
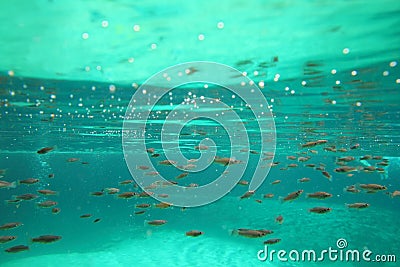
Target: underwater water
x=329, y=73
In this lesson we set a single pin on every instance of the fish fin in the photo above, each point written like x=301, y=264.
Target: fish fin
x=281, y=199
x=14, y=184
x=234, y=232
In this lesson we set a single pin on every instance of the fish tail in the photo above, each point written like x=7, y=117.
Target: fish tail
x=14, y=184
x=234, y=232
x=281, y=199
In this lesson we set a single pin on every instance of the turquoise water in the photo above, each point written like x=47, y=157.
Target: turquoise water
x=328, y=71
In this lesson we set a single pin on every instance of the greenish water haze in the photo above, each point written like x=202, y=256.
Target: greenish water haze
x=68, y=69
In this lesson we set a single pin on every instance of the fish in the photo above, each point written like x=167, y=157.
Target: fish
x=310, y=165
x=111, y=190
x=200, y=132
x=155, y=155
x=293, y=195
x=45, y=150
x=47, y=204
x=272, y=241
x=140, y=212
x=352, y=189
x=16, y=249
x=142, y=167
x=163, y=195
x=319, y=195
x=380, y=170
x=27, y=196
x=251, y=233
x=276, y=182
x=46, y=239
x=125, y=182
x=51, y=175
x=193, y=185
x=330, y=148
x=96, y=220
x=243, y=182
x=7, y=238
x=358, y=205
x=304, y=180
x=150, y=150
x=326, y=174
x=5, y=184
x=396, y=193
x=292, y=165
x=254, y=152
x=85, y=216
x=346, y=159
x=226, y=161
x=97, y=193
x=320, y=210
x=55, y=210
x=13, y=201
x=269, y=195
x=153, y=173
x=163, y=205
x=145, y=194
x=157, y=222
x=279, y=219
x=291, y=157
x=167, y=162
x=247, y=194
x=194, y=233
x=383, y=163
x=127, y=195
x=143, y=205
x=377, y=157
x=47, y=192
x=345, y=169
x=369, y=168
x=182, y=175
x=366, y=157
x=372, y=188
x=303, y=159
x=314, y=143
x=10, y=225
x=201, y=147
x=355, y=146
x=73, y=159
x=29, y=181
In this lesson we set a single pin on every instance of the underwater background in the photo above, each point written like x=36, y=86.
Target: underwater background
x=68, y=70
